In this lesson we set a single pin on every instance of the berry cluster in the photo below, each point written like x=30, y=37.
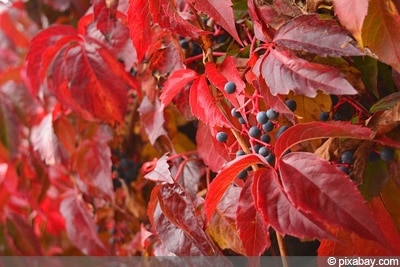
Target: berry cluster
x=257, y=128
x=347, y=158
x=124, y=168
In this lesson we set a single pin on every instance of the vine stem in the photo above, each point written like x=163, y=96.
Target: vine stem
x=282, y=249
x=281, y=242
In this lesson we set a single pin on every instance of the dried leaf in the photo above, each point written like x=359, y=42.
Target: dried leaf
x=222, y=225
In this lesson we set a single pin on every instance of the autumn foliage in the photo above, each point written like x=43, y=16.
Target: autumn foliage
x=119, y=136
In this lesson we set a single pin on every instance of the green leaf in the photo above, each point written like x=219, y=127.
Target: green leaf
x=386, y=103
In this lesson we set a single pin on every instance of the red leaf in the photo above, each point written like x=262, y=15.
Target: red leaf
x=45, y=141
x=164, y=13
x=12, y=29
x=81, y=229
x=10, y=127
x=351, y=244
x=22, y=237
x=94, y=78
x=161, y=171
x=221, y=183
x=353, y=21
x=221, y=11
x=252, y=229
x=322, y=37
x=316, y=130
x=175, y=83
x=317, y=187
x=259, y=26
x=283, y=71
x=177, y=224
x=204, y=106
x=92, y=162
x=139, y=20
x=59, y=5
x=152, y=118
x=279, y=212
x=191, y=176
x=38, y=45
x=212, y=152
x=227, y=71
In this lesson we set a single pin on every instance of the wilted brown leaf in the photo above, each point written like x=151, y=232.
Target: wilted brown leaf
x=326, y=150
x=385, y=122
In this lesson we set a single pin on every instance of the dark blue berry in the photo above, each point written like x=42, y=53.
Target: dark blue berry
x=242, y=120
x=184, y=43
x=240, y=153
x=256, y=148
x=272, y=114
x=387, y=154
x=270, y=158
x=265, y=138
x=291, y=104
x=235, y=114
x=262, y=117
x=344, y=169
x=263, y=151
x=373, y=156
x=242, y=174
x=123, y=163
x=347, y=157
x=324, y=116
x=267, y=127
x=281, y=130
x=254, y=131
x=230, y=87
x=221, y=137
